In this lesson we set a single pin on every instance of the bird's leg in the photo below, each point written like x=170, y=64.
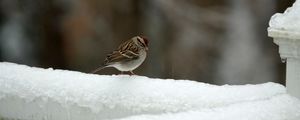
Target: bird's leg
x=122, y=73
x=131, y=73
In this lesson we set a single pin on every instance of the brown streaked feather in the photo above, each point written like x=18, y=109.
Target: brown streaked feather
x=120, y=57
x=127, y=51
x=127, y=44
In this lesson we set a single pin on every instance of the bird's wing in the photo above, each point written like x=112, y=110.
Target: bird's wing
x=120, y=56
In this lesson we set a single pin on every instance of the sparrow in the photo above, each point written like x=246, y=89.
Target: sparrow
x=129, y=55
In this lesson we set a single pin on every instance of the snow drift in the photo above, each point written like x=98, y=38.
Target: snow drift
x=36, y=93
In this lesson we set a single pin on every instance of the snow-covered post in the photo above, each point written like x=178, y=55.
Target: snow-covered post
x=285, y=30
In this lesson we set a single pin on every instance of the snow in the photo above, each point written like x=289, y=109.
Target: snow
x=277, y=108
x=286, y=24
x=37, y=93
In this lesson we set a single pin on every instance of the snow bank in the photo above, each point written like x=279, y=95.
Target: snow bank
x=286, y=24
x=36, y=93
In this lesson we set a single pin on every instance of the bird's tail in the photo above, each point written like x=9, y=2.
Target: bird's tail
x=98, y=69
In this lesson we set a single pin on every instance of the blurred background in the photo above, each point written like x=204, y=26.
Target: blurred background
x=212, y=41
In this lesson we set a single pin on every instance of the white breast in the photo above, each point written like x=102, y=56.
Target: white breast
x=133, y=64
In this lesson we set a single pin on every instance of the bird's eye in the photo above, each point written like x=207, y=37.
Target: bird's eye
x=146, y=41
x=141, y=42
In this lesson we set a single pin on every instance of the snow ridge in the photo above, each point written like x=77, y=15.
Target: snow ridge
x=37, y=93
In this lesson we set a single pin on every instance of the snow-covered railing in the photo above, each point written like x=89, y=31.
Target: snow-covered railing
x=30, y=93
x=285, y=30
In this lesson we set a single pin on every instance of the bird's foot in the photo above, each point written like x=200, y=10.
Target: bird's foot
x=122, y=73
x=131, y=73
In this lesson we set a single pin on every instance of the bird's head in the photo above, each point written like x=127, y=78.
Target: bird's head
x=143, y=41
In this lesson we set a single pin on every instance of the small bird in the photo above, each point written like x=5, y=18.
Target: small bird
x=129, y=55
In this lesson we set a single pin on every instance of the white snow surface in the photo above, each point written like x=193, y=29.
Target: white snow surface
x=286, y=24
x=35, y=93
